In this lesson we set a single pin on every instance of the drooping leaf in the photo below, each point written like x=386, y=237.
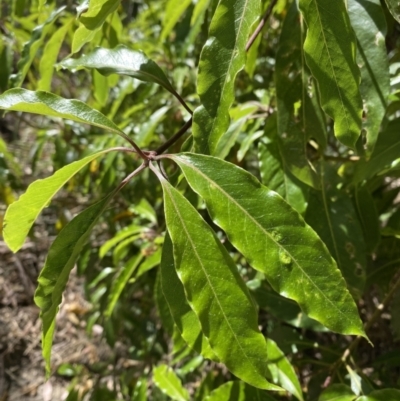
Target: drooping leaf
x=168, y=382
x=369, y=24
x=330, y=51
x=222, y=57
x=337, y=392
x=184, y=317
x=216, y=292
x=274, y=172
x=331, y=214
x=174, y=11
x=388, y=394
x=94, y=16
x=21, y=214
x=291, y=80
x=59, y=263
x=274, y=239
x=238, y=391
x=123, y=61
x=32, y=46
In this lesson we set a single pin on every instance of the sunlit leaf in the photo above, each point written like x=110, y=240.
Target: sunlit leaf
x=59, y=263
x=21, y=214
x=330, y=50
x=215, y=291
x=238, y=391
x=275, y=240
x=168, y=382
x=97, y=12
x=222, y=57
x=337, y=392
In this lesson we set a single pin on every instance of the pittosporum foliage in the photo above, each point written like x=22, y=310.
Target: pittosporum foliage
x=243, y=155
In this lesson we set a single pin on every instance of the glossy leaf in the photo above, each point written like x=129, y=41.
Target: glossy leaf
x=222, y=57
x=59, y=263
x=274, y=239
x=238, y=391
x=96, y=13
x=274, y=172
x=21, y=214
x=369, y=24
x=174, y=11
x=388, y=394
x=167, y=381
x=330, y=50
x=184, y=317
x=291, y=79
x=331, y=214
x=337, y=392
x=32, y=46
x=216, y=292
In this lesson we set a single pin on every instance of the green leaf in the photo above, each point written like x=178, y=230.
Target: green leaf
x=48, y=104
x=184, y=317
x=388, y=394
x=123, y=61
x=337, y=392
x=274, y=172
x=32, y=46
x=222, y=57
x=331, y=214
x=59, y=263
x=21, y=214
x=97, y=12
x=238, y=391
x=174, y=11
x=274, y=239
x=168, y=382
x=5, y=62
x=121, y=281
x=216, y=292
x=394, y=8
x=330, y=50
x=369, y=24
x=291, y=79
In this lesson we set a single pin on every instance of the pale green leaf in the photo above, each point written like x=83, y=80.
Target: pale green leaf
x=238, y=391
x=275, y=240
x=97, y=12
x=32, y=46
x=216, y=292
x=168, y=382
x=331, y=214
x=81, y=36
x=121, y=281
x=330, y=50
x=185, y=319
x=369, y=24
x=21, y=214
x=388, y=394
x=59, y=263
x=174, y=11
x=222, y=57
x=337, y=392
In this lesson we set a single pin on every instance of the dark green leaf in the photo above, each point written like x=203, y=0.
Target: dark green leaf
x=330, y=50
x=394, y=8
x=275, y=240
x=97, y=12
x=216, y=292
x=223, y=56
x=238, y=391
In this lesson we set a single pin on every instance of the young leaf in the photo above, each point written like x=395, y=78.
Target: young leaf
x=123, y=61
x=274, y=239
x=222, y=57
x=337, y=392
x=369, y=23
x=238, y=391
x=330, y=50
x=94, y=16
x=216, y=292
x=21, y=214
x=388, y=394
x=59, y=263
x=168, y=382
x=331, y=214
x=185, y=319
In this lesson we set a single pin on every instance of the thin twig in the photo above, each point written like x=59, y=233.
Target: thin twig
x=136, y=147
x=260, y=26
x=175, y=137
x=182, y=102
x=131, y=175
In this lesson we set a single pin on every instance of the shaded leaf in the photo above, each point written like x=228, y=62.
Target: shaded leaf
x=394, y=8
x=168, y=382
x=337, y=392
x=331, y=214
x=184, y=317
x=369, y=24
x=222, y=57
x=215, y=291
x=174, y=11
x=59, y=263
x=275, y=240
x=330, y=50
x=21, y=214
x=238, y=391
